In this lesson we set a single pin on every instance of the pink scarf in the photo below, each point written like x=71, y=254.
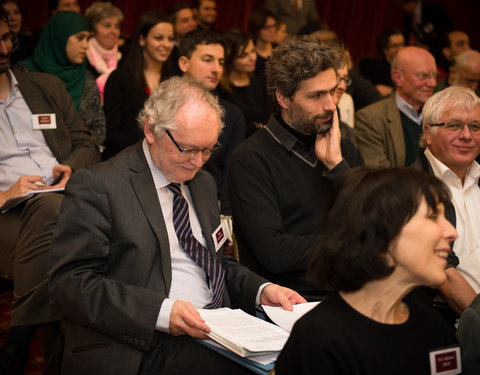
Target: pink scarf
x=104, y=61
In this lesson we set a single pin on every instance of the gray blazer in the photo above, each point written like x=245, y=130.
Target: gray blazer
x=110, y=266
x=379, y=133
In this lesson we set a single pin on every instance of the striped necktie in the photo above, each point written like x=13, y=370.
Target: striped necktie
x=208, y=262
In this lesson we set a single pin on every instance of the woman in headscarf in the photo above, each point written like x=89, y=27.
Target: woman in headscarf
x=61, y=51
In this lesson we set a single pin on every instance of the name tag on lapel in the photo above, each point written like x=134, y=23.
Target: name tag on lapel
x=219, y=237
x=44, y=121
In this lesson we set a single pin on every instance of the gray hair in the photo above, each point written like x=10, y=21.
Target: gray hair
x=298, y=59
x=452, y=98
x=161, y=108
x=100, y=10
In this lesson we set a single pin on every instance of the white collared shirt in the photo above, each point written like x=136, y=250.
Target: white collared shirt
x=189, y=281
x=466, y=200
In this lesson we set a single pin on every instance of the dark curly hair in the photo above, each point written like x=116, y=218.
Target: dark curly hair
x=367, y=212
x=298, y=59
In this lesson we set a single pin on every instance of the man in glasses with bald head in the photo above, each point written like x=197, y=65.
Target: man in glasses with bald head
x=388, y=131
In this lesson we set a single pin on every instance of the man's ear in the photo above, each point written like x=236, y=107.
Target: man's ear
x=427, y=134
x=281, y=99
x=149, y=135
x=183, y=63
x=397, y=77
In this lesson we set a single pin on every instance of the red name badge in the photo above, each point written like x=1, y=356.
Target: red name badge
x=445, y=361
x=43, y=121
x=219, y=237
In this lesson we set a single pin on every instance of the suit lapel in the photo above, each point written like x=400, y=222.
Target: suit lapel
x=144, y=188
x=396, y=131
x=203, y=209
x=39, y=105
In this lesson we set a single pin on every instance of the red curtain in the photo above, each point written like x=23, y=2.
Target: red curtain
x=357, y=22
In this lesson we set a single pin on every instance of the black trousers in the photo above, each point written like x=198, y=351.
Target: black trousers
x=183, y=355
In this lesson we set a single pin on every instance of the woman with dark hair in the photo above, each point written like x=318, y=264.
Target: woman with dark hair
x=23, y=43
x=239, y=85
x=131, y=84
x=384, y=235
x=262, y=26
x=61, y=51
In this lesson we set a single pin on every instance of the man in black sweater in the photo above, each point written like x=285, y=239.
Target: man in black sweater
x=280, y=178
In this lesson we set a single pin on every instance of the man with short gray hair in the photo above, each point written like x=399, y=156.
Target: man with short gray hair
x=451, y=125
x=145, y=249
x=281, y=177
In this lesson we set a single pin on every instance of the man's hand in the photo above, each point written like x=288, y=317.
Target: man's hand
x=327, y=146
x=276, y=295
x=23, y=185
x=63, y=170
x=185, y=320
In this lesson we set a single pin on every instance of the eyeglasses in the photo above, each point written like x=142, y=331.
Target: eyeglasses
x=191, y=152
x=423, y=76
x=7, y=37
x=346, y=79
x=454, y=126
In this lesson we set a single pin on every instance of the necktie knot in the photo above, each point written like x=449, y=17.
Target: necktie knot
x=175, y=188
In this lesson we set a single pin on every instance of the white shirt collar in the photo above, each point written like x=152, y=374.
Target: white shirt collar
x=158, y=178
x=407, y=109
x=443, y=172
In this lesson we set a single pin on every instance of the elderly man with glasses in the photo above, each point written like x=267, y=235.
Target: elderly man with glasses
x=145, y=249
x=388, y=131
x=451, y=125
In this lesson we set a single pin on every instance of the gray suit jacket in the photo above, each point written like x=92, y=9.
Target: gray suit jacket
x=70, y=142
x=379, y=132
x=110, y=266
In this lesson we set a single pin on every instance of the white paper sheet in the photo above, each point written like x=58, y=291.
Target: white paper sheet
x=286, y=319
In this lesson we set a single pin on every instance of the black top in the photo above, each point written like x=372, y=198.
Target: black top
x=252, y=100
x=232, y=135
x=279, y=192
x=122, y=104
x=411, y=136
x=260, y=66
x=362, y=90
x=376, y=70
x=335, y=339
x=23, y=48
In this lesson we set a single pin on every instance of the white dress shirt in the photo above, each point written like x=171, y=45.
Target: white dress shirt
x=466, y=200
x=189, y=281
